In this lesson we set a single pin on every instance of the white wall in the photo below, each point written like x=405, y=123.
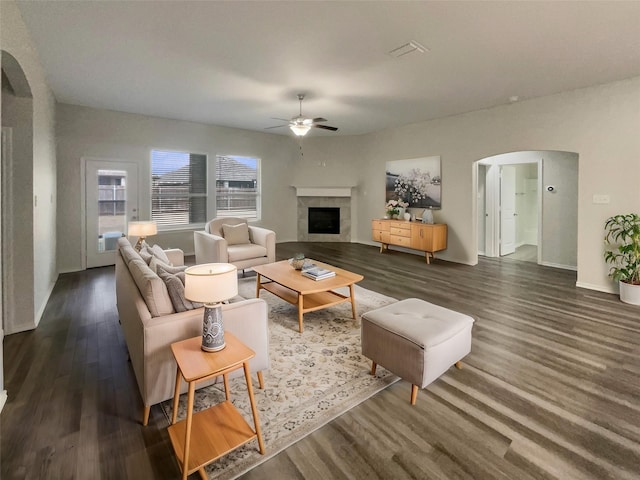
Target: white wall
x=598, y=123
x=41, y=258
x=104, y=134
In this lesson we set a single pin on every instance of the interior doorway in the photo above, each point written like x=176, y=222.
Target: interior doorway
x=527, y=207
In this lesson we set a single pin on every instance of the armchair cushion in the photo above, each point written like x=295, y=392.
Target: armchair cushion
x=236, y=234
x=244, y=252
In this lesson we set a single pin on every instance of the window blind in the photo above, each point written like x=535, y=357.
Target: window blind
x=178, y=188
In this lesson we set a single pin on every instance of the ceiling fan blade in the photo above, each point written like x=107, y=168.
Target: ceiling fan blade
x=320, y=119
x=281, y=119
x=277, y=126
x=326, y=127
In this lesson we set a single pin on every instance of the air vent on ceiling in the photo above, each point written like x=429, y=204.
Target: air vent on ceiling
x=410, y=47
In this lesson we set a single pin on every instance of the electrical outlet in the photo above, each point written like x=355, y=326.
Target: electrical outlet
x=600, y=199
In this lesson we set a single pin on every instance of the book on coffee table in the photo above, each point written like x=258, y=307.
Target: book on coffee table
x=318, y=273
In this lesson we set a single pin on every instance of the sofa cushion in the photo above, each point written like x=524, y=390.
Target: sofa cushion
x=129, y=253
x=152, y=288
x=245, y=251
x=175, y=287
x=236, y=234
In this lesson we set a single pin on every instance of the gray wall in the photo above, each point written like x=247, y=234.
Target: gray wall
x=560, y=209
x=103, y=134
x=598, y=123
x=36, y=249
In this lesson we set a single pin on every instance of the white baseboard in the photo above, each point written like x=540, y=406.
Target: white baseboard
x=3, y=399
x=559, y=265
x=597, y=288
x=44, y=303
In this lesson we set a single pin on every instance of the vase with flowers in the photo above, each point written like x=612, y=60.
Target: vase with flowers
x=395, y=207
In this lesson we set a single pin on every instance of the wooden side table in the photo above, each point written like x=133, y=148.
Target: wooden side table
x=208, y=435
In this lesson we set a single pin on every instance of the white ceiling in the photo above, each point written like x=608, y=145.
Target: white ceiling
x=238, y=64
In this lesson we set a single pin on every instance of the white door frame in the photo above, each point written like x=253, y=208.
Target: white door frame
x=106, y=163
x=507, y=206
x=5, y=164
x=492, y=231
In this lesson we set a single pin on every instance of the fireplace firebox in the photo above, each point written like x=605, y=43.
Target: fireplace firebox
x=324, y=220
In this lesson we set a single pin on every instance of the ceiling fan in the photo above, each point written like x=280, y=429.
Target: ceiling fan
x=300, y=124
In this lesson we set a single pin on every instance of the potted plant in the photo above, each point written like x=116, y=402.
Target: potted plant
x=622, y=240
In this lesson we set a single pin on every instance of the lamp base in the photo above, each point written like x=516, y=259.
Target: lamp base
x=212, y=329
x=139, y=243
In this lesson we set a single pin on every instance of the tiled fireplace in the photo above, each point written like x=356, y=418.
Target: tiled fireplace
x=325, y=202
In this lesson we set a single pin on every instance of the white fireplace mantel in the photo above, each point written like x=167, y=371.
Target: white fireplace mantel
x=323, y=191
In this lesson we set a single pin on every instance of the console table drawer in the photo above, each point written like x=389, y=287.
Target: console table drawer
x=400, y=240
x=379, y=225
x=399, y=231
x=380, y=236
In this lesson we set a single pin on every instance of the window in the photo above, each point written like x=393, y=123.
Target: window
x=178, y=189
x=237, y=187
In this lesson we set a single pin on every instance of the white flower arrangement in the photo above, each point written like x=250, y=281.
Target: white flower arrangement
x=393, y=207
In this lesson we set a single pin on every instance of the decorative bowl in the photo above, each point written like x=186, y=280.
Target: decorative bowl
x=297, y=262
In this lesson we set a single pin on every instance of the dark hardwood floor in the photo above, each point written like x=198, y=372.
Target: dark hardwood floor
x=550, y=389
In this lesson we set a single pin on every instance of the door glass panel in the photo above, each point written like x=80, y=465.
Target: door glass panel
x=112, y=208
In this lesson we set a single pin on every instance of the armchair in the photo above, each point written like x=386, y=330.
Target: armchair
x=239, y=249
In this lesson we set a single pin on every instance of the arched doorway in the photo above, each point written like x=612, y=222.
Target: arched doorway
x=16, y=189
x=527, y=207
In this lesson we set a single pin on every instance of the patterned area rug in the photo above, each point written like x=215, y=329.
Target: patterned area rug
x=314, y=377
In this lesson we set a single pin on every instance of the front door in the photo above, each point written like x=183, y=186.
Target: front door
x=111, y=202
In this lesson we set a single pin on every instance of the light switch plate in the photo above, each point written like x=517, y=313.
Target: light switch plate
x=601, y=199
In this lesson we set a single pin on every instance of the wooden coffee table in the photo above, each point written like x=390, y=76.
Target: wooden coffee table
x=290, y=285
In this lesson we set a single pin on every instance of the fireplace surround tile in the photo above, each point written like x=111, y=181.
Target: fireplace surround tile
x=344, y=203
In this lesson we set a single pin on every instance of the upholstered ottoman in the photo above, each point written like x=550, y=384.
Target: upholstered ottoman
x=416, y=340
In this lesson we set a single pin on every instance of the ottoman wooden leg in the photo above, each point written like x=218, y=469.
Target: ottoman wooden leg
x=459, y=365
x=373, y=368
x=414, y=394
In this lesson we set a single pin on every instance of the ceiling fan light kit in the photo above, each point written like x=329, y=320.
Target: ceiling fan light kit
x=300, y=125
x=300, y=129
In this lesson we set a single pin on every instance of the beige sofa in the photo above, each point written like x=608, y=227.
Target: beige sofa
x=212, y=247
x=150, y=325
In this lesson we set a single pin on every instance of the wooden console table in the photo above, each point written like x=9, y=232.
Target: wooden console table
x=209, y=434
x=429, y=238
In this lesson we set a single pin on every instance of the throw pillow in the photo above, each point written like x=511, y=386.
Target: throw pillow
x=175, y=287
x=159, y=253
x=146, y=255
x=236, y=234
x=156, y=264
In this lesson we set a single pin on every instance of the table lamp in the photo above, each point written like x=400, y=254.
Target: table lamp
x=211, y=283
x=141, y=230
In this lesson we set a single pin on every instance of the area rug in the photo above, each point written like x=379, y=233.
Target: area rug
x=314, y=377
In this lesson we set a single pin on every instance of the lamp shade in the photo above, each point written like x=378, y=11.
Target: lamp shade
x=142, y=229
x=210, y=282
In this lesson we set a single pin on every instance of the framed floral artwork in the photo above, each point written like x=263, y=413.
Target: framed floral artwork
x=415, y=181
